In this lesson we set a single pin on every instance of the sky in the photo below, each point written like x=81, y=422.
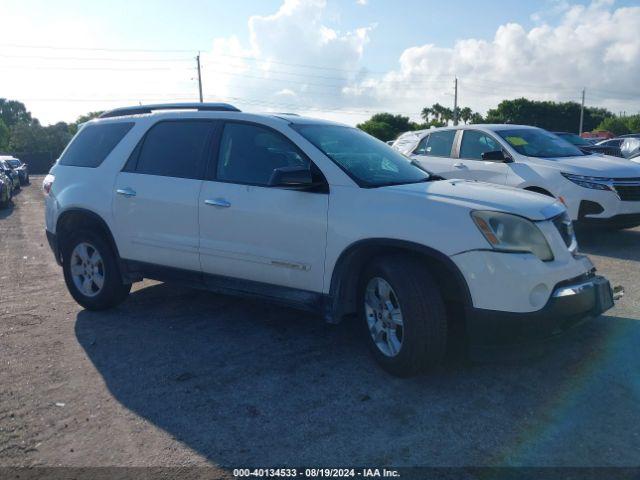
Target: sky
x=338, y=59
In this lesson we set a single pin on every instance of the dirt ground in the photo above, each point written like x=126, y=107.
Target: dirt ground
x=181, y=377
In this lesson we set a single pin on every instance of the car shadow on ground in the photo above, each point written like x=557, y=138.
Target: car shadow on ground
x=246, y=383
x=621, y=244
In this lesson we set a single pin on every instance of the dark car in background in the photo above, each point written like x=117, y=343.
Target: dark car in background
x=13, y=175
x=19, y=166
x=587, y=146
x=6, y=190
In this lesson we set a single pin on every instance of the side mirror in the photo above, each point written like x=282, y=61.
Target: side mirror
x=294, y=177
x=496, y=156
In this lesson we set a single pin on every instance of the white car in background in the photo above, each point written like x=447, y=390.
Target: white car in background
x=597, y=189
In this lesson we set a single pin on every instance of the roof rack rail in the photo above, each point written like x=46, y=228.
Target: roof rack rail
x=140, y=109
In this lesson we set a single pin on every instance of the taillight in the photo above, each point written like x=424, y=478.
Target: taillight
x=47, y=183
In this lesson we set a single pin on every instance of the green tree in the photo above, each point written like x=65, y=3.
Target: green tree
x=4, y=136
x=33, y=137
x=386, y=126
x=554, y=116
x=633, y=123
x=476, y=118
x=615, y=125
x=13, y=112
x=465, y=114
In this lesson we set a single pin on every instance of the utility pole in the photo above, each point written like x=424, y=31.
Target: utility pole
x=199, y=77
x=455, y=102
x=581, y=114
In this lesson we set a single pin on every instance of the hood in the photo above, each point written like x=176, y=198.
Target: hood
x=485, y=196
x=595, y=165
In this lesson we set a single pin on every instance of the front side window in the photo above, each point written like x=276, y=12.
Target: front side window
x=421, y=149
x=93, y=143
x=368, y=161
x=535, y=142
x=15, y=163
x=175, y=149
x=475, y=143
x=440, y=143
x=249, y=154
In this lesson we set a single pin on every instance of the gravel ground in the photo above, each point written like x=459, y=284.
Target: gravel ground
x=180, y=377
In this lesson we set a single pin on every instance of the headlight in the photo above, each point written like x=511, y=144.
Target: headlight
x=511, y=233
x=595, y=183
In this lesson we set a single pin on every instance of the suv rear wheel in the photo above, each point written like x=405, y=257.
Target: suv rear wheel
x=91, y=272
x=404, y=316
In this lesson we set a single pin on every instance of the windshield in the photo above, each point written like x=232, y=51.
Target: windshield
x=14, y=163
x=369, y=162
x=535, y=142
x=575, y=139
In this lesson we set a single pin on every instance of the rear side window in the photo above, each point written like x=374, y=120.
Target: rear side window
x=175, y=149
x=93, y=143
x=440, y=143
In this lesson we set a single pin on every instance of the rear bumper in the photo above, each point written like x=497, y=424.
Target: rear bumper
x=53, y=243
x=570, y=303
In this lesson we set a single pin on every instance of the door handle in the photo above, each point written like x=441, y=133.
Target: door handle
x=459, y=165
x=218, y=202
x=126, y=192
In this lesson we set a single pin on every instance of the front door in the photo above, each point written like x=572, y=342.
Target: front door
x=251, y=231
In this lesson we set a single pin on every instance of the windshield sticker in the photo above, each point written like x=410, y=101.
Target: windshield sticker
x=517, y=141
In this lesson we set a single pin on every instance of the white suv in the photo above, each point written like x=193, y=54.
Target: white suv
x=315, y=215
x=597, y=189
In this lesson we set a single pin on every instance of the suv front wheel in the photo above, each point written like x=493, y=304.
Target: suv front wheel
x=91, y=272
x=404, y=315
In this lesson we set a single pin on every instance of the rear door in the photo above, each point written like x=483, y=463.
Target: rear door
x=251, y=231
x=156, y=195
x=434, y=153
x=470, y=165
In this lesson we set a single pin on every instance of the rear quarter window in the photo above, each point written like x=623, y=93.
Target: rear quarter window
x=93, y=144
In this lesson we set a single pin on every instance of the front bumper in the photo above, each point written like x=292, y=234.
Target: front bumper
x=571, y=302
x=624, y=220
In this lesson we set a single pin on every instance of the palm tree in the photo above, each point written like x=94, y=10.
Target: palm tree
x=426, y=113
x=465, y=114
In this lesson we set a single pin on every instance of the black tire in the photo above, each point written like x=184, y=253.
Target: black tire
x=113, y=291
x=424, y=315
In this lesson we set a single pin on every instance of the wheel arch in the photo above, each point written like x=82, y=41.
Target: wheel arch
x=352, y=261
x=73, y=219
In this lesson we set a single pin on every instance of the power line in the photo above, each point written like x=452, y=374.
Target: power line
x=96, y=59
x=96, y=49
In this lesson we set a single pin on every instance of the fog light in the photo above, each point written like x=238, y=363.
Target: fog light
x=538, y=296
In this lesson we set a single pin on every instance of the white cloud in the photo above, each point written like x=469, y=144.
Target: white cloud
x=362, y=2
x=298, y=59
x=595, y=46
x=282, y=66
